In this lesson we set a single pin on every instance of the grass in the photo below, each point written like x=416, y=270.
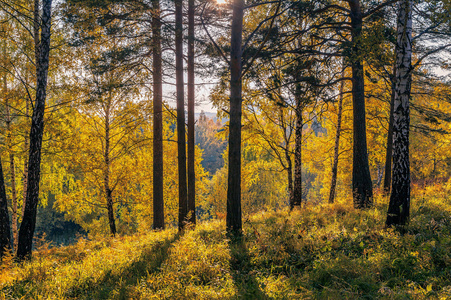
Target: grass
x=321, y=252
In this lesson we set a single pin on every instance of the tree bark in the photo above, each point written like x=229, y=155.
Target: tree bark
x=297, y=188
x=26, y=146
x=12, y=168
x=26, y=232
x=289, y=178
x=183, y=194
x=333, y=183
x=389, y=153
x=106, y=175
x=5, y=230
x=399, y=206
x=233, y=218
x=36, y=26
x=361, y=178
x=158, y=202
x=289, y=164
x=191, y=148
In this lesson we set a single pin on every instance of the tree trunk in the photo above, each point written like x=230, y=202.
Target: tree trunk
x=233, y=219
x=289, y=165
x=297, y=188
x=5, y=230
x=389, y=153
x=36, y=26
x=333, y=183
x=12, y=168
x=158, y=202
x=27, y=227
x=106, y=175
x=26, y=146
x=399, y=206
x=183, y=196
x=289, y=178
x=361, y=178
x=191, y=151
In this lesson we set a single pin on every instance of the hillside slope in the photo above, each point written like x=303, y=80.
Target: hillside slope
x=323, y=252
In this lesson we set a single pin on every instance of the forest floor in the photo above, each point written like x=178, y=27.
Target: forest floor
x=317, y=252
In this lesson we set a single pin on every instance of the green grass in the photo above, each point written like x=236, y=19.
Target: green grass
x=322, y=252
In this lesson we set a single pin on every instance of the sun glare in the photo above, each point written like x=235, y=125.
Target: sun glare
x=221, y=2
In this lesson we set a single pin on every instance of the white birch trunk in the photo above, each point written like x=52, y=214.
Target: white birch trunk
x=398, y=210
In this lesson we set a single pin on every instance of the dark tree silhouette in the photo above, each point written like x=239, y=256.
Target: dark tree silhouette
x=233, y=218
x=158, y=203
x=191, y=151
x=183, y=196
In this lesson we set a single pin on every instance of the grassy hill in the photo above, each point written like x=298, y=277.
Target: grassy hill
x=322, y=252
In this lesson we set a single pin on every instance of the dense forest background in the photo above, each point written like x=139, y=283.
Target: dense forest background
x=307, y=71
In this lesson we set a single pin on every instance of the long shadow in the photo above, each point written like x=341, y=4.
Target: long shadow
x=149, y=262
x=245, y=281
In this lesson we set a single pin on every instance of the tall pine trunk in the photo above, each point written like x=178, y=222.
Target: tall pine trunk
x=158, y=202
x=191, y=148
x=26, y=231
x=333, y=183
x=362, y=188
x=183, y=194
x=399, y=206
x=233, y=218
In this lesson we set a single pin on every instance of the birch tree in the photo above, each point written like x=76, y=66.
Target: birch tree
x=399, y=206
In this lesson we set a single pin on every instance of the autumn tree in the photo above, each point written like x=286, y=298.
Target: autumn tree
x=349, y=22
x=430, y=22
x=28, y=224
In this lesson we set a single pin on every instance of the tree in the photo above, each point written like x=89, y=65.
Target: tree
x=9, y=147
x=431, y=20
x=333, y=183
x=361, y=178
x=191, y=127
x=183, y=193
x=233, y=219
x=5, y=230
x=158, y=203
x=354, y=50
x=399, y=206
x=27, y=227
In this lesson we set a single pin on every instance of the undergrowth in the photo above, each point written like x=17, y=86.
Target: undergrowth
x=317, y=252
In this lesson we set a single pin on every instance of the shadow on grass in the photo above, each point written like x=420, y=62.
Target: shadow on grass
x=242, y=271
x=149, y=262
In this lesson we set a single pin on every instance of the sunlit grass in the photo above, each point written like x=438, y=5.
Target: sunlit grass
x=318, y=252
